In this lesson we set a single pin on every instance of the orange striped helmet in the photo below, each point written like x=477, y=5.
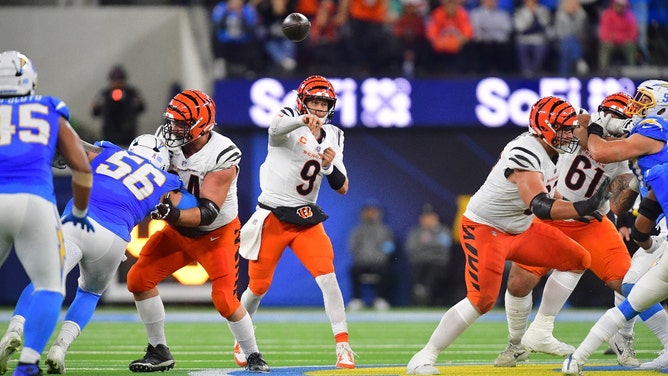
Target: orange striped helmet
x=553, y=120
x=616, y=103
x=316, y=87
x=189, y=115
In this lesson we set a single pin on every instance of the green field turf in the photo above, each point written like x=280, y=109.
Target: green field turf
x=202, y=344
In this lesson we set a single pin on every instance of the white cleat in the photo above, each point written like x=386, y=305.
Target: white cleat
x=9, y=344
x=239, y=356
x=511, y=355
x=544, y=342
x=659, y=363
x=55, y=359
x=345, y=356
x=622, y=346
x=571, y=366
x=422, y=364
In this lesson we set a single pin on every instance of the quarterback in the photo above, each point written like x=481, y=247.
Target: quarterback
x=303, y=149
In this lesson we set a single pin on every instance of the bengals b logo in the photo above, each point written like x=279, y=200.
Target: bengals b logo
x=305, y=212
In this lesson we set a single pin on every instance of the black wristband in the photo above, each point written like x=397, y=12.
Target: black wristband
x=596, y=129
x=173, y=215
x=336, y=179
x=583, y=207
x=639, y=236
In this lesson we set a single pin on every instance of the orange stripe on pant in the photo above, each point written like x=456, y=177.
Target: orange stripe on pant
x=486, y=249
x=311, y=245
x=168, y=251
x=610, y=260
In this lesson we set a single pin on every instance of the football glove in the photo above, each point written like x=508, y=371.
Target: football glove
x=612, y=126
x=590, y=205
x=79, y=221
x=166, y=211
x=58, y=161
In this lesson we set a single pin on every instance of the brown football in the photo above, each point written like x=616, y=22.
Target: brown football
x=296, y=27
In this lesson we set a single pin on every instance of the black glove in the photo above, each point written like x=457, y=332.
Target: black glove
x=58, y=161
x=590, y=205
x=165, y=210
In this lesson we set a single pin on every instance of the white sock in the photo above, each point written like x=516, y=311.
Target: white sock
x=29, y=355
x=244, y=334
x=658, y=324
x=601, y=332
x=453, y=323
x=250, y=301
x=152, y=314
x=334, y=307
x=543, y=323
x=558, y=288
x=517, y=315
x=68, y=333
x=627, y=328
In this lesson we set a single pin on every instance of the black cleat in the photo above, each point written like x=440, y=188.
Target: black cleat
x=156, y=359
x=256, y=363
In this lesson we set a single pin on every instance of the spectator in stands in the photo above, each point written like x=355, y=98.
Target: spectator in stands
x=281, y=51
x=570, y=30
x=618, y=33
x=429, y=251
x=409, y=34
x=449, y=30
x=366, y=31
x=532, y=21
x=492, y=32
x=372, y=246
x=119, y=105
x=236, y=48
x=324, y=42
x=640, y=9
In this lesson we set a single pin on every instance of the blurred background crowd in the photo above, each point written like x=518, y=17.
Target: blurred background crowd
x=429, y=38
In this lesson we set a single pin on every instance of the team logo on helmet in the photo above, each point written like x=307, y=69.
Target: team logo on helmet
x=189, y=115
x=316, y=87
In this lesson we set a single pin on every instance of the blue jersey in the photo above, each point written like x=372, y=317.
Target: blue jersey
x=29, y=128
x=655, y=128
x=126, y=187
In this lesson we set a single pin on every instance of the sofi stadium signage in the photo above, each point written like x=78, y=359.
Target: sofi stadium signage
x=398, y=103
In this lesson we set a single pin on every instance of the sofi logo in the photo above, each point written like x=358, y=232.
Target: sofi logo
x=498, y=104
x=383, y=102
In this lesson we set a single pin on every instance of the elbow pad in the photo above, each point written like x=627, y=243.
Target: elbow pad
x=541, y=205
x=208, y=211
x=336, y=179
x=639, y=236
x=650, y=209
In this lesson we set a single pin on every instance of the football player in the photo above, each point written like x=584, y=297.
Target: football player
x=304, y=148
x=208, y=233
x=646, y=148
x=579, y=175
x=31, y=128
x=498, y=222
x=128, y=186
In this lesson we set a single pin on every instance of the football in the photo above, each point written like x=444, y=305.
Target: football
x=296, y=27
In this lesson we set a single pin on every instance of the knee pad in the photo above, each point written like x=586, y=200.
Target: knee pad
x=136, y=283
x=225, y=302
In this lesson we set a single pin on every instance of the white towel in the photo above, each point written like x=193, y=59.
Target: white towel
x=251, y=234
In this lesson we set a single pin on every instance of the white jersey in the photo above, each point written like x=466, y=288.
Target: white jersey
x=498, y=203
x=580, y=175
x=292, y=173
x=219, y=153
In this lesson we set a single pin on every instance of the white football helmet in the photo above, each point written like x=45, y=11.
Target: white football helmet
x=151, y=148
x=18, y=76
x=651, y=99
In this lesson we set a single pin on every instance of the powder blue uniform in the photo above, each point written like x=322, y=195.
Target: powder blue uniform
x=29, y=128
x=655, y=128
x=126, y=188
